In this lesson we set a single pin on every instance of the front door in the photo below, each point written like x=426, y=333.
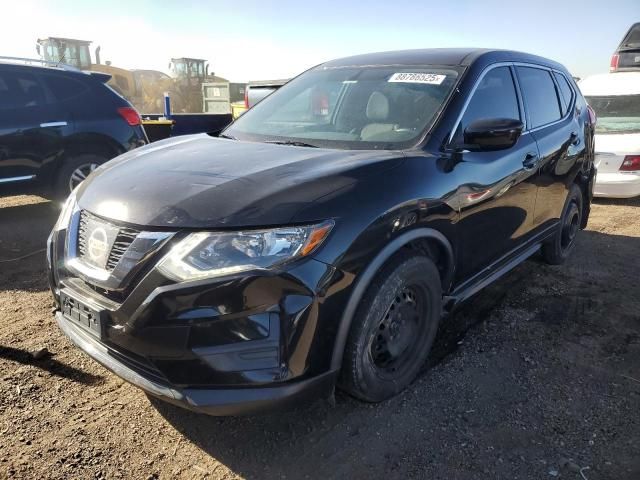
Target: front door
x=497, y=196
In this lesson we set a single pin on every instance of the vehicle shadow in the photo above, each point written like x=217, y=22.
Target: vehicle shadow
x=307, y=442
x=320, y=439
x=629, y=202
x=24, y=226
x=51, y=365
x=283, y=444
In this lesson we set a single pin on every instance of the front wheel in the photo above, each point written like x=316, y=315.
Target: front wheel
x=393, y=329
x=558, y=248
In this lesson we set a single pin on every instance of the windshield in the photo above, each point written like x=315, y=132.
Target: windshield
x=351, y=108
x=616, y=113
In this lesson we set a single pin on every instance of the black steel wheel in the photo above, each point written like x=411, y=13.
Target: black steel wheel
x=395, y=338
x=393, y=330
x=570, y=226
x=557, y=249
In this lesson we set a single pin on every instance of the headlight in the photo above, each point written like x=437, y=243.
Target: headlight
x=65, y=214
x=211, y=254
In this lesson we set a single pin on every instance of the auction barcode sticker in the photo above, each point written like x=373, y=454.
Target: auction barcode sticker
x=407, y=77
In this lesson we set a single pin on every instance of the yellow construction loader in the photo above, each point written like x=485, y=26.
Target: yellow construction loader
x=143, y=88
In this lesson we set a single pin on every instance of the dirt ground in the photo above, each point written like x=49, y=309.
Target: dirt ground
x=538, y=377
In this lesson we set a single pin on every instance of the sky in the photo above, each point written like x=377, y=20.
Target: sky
x=254, y=40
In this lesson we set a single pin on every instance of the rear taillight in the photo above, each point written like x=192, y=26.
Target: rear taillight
x=613, y=66
x=631, y=163
x=592, y=115
x=130, y=115
x=246, y=97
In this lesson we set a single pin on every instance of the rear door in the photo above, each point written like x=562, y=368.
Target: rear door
x=498, y=188
x=554, y=123
x=31, y=128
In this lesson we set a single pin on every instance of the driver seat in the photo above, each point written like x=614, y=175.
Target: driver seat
x=377, y=112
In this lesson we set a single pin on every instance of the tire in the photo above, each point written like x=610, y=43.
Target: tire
x=393, y=329
x=72, y=172
x=557, y=249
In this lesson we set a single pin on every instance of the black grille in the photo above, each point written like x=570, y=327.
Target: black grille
x=82, y=235
x=122, y=242
x=125, y=237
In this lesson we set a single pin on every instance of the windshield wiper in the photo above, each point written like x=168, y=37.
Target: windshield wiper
x=224, y=135
x=292, y=142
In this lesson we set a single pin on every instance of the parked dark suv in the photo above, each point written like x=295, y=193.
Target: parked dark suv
x=626, y=58
x=57, y=124
x=321, y=240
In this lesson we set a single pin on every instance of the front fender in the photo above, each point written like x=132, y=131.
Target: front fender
x=365, y=278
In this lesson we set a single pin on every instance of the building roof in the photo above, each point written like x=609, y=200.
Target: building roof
x=188, y=59
x=62, y=39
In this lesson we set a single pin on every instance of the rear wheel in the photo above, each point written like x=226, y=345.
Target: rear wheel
x=74, y=171
x=393, y=329
x=558, y=248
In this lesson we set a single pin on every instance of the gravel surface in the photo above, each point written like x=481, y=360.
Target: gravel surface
x=538, y=377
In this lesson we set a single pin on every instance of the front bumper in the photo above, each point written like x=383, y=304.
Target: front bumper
x=212, y=401
x=242, y=343
x=617, y=185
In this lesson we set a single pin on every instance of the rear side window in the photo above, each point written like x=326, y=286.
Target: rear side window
x=63, y=87
x=566, y=91
x=540, y=96
x=633, y=37
x=495, y=97
x=20, y=90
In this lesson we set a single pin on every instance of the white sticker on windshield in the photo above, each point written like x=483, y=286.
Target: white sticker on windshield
x=407, y=77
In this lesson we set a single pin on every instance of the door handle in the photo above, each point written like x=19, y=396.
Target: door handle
x=574, y=139
x=530, y=161
x=53, y=124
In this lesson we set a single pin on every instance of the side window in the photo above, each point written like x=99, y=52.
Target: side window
x=63, y=87
x=20, y=90
x=495, y=97
x=5, y=95
x=540, y=95
x=565, y=90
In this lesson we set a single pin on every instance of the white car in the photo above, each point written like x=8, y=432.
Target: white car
x=615, y=98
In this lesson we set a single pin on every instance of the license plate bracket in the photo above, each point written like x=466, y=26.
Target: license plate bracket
x=78, y=312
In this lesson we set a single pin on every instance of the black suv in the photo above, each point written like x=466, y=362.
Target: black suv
x=57, y=124
x=320, y=241
x=626, y=58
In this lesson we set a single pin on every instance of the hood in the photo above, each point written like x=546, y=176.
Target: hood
x=203, y=182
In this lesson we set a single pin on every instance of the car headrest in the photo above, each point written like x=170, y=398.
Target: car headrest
x=377, y=107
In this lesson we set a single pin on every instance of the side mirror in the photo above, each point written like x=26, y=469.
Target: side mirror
x=492, y=134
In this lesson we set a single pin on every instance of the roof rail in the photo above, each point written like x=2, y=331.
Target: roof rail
x=43, y=63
